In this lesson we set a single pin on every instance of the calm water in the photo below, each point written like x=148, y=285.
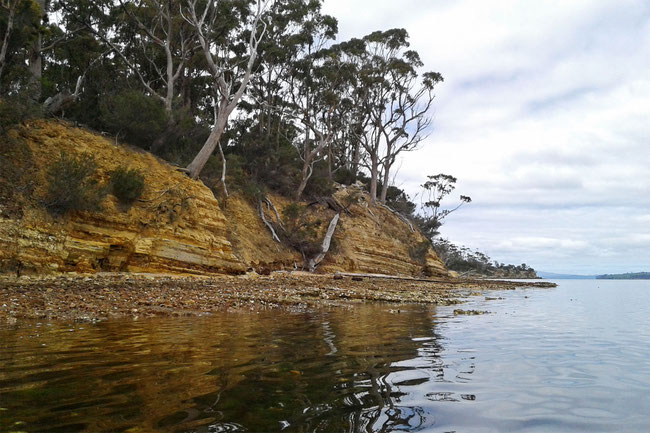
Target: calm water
x=574, y=358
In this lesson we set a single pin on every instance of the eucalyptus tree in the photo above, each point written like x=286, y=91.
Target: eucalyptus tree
x=72, y=53
x=164, y=40
x=9, y=9
x=20, y=33
x=149, y=36
x=405, y=123
x=352, y=118
x=229, y=35
x=291, y=25
x=35, y=50
x=393, y=103
x=314, y=90
x=434, y=190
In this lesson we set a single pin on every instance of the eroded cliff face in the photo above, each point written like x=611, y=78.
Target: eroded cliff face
x=177, y=226
x=372, y=239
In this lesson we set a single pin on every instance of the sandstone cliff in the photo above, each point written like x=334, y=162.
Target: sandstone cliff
x=177, y=226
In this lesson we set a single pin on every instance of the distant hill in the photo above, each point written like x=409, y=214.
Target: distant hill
x=554, y=276
x=627, y=276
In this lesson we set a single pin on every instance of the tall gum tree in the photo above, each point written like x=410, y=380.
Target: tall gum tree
x=10, y=7
x=393, y=103
x=230, y=61
x=141, y=33
x=406, y=121
x=314, y=90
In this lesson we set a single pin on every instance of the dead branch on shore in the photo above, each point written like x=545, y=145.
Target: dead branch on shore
x=260, y=208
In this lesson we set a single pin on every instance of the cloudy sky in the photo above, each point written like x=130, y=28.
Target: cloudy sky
x=544, y=117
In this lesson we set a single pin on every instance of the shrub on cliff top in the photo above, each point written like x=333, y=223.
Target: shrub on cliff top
x=418, y=252
x=71, y=185
x=127, y=184
x=301, y=231
x=16, y=109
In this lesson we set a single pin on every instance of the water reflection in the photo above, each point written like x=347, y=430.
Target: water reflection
x=334, y=370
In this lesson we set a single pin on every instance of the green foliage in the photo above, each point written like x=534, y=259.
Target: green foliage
x=345, y=176
x=399, y=201
x=319, y=185
x=16, y=109
x=127, y=184
x=434, y=190
x=627, y=276
x=266, y=160
x=301, y=231
x=136, y=118
x=465, y=261
x=304, y=91
x=71, y=186
x=26, y=23
x=16, y=175
x=292, y=213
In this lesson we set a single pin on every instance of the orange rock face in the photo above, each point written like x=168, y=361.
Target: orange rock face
x=178, y=226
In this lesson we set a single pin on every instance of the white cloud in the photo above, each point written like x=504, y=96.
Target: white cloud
x=543, y=117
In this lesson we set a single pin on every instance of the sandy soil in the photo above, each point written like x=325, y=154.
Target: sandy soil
x=103, y=296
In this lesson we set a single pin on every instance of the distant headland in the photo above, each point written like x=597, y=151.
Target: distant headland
x=626, y=276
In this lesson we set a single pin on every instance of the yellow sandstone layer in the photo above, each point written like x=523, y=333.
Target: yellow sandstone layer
x=178, y=225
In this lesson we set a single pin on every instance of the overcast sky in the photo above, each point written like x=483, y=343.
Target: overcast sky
x=544, y=117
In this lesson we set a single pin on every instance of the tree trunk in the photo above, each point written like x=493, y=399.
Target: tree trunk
x=201, y=158
x=223, y=170
x=384, y=185
x=355, y=159
x=36, y=57
x=5, y=39
x=325, y=247
x=374, y=173
x=306, y=167
x=329, y=162
x=306, y=174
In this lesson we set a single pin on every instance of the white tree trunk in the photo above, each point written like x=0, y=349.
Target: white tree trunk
x=306, y=174
x=325, y=247
x=5, y=40
x=223, y=170
x=374, y=173
x=201, y=158
x=36, y=57
x=385, y=182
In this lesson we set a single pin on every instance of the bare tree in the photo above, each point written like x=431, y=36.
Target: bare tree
x=230, y=73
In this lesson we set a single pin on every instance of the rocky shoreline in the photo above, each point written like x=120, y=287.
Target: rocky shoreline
x=106, y=296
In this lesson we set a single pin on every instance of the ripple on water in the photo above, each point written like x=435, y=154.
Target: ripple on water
x=568, y=359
